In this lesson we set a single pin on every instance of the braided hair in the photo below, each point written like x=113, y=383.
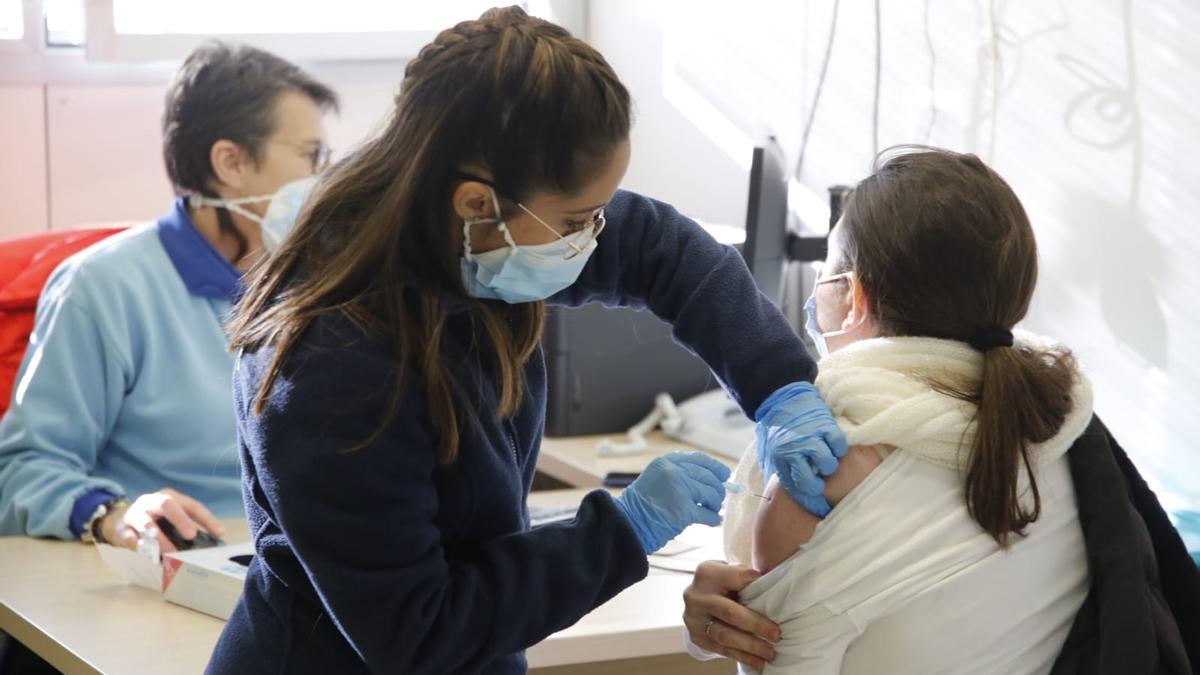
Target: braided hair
x=538, y=109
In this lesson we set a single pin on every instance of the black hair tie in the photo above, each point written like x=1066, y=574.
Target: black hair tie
x=996, y=336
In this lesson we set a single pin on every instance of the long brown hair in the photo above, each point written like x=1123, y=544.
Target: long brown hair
x=943, y=248
x=538, y=109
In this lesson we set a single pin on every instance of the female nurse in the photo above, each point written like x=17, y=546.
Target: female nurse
x=391, y=391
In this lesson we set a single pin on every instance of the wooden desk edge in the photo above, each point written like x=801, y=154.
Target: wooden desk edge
x=563, y=468
x=584, y=649
x=41, y=643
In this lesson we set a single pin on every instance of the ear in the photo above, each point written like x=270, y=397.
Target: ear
x=860, y=307
x=473, y=200
x=230, y=164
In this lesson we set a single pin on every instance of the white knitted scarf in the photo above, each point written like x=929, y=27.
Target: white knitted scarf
x=881, y=394
x=879, y=390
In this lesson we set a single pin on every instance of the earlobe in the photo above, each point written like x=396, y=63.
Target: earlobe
x=860, y=309
x=853, y=318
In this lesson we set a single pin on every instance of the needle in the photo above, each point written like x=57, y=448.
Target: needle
x=735, y=489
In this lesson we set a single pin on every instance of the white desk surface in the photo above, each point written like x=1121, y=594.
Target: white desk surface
x=63, y=602
x=575, y=462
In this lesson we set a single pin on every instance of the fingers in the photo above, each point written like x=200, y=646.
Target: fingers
x=740, y=645
x=808, y=491
x=702, y=475
x=165, y=545
x=180, y=511
x=836, y=440
x=700, y=608
x=200, y=513
x=699, y=631
x=800, y=479
x=173, y=511
x=713, y=587
x=715, y=467
x=821, y=457
x=703, y=487
x=705, y=516
x=816, y=505
x=715, y=576
x=749, y=630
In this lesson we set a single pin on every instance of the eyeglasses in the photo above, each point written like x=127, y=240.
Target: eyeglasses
x=580, y=241
x=318, y=153
x=835, y=277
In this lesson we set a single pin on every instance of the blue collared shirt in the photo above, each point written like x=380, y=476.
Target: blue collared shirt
x=126, y=385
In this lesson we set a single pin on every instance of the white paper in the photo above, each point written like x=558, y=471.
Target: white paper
x=692, y=547
x=133, y=567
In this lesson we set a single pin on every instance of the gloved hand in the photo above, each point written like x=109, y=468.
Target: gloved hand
x=675, y=491
x=799, y=439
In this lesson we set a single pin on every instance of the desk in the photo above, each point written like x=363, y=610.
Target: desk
x=66, y=605
x=574, y=460
x=63, y=602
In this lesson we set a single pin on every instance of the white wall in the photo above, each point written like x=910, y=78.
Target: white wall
x=1097, y=128
x=83, y=142
x=82, y=137
x=100, y=140
x=23, y=194
x=673, y=159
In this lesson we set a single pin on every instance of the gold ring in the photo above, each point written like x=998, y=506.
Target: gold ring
x=708, y=627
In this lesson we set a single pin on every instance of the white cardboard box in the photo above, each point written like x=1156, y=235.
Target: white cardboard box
x=206, y=579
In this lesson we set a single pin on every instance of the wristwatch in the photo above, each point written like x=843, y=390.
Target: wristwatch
x=91, y=529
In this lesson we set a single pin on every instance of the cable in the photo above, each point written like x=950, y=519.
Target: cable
x=812, y=110
x=996, y=75
x=878, y=79
x=933, y=111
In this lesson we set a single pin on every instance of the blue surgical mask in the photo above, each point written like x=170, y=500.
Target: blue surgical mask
x=518, y=274
x=282, y=209
x=810, y=321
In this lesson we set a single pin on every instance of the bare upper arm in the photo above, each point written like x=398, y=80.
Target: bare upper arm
x=783, y=525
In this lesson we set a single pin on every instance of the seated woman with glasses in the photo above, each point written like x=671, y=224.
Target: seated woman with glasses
x=955, y=542
x=122, y=418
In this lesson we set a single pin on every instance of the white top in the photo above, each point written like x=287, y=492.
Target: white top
x=899, y=579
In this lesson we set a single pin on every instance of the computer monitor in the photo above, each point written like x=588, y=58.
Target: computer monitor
x=770, y=244
x=765, y=248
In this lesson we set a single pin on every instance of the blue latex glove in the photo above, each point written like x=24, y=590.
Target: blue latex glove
x=675, y=491
x=799, y=439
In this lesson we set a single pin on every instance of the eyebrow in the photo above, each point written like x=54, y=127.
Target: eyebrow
x=589, y=209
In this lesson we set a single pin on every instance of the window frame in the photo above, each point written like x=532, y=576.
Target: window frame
x=31, y=36
x=105, y=45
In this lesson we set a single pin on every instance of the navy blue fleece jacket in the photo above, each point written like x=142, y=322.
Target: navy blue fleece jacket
x=382, y=561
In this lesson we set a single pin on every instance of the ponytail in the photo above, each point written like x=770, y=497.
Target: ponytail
x=1023, y=399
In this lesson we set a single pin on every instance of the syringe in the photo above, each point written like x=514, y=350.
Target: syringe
x=736, y=489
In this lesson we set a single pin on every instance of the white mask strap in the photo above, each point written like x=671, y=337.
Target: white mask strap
x=835, y=333
x=235, y=205
x=500, y=225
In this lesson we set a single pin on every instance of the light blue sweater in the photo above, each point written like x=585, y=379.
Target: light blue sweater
x=126, y=385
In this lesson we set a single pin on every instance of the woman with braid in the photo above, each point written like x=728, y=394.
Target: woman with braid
x=391, y=391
